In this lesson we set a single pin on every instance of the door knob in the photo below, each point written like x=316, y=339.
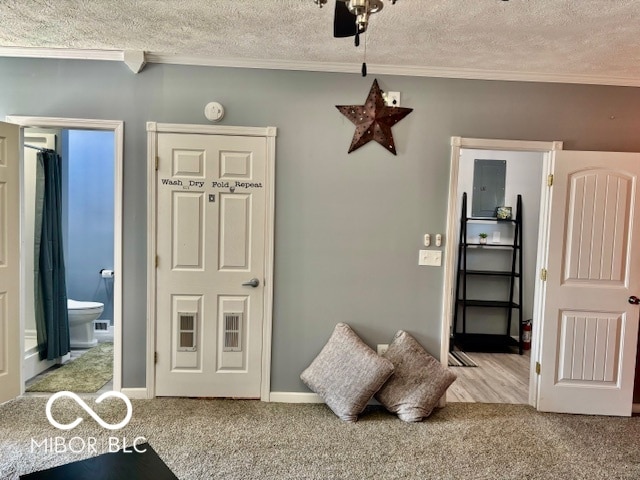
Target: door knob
x=634, y=300
x=254, y=282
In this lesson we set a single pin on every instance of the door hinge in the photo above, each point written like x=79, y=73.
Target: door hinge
x=537, y=368
x=549, y=180
x=543, y=274
x=157, y=261
x=155, y=357
x=157, y=162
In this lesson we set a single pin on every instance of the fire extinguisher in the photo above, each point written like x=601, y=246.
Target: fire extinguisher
x=526, y=335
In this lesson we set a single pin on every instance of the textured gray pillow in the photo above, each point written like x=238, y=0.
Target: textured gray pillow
x=418, y=380
x=346, y=373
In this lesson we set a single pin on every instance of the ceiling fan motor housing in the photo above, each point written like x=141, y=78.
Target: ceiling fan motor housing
x=358, y=7
x=362, y=9
x=352, y=16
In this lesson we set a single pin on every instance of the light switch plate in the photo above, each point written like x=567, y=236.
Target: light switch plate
x=432, y=258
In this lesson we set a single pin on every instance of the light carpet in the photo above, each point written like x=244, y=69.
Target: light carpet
x=85, y=374
x=227, y=439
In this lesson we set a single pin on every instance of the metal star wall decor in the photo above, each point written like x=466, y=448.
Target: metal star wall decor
x=374, y=120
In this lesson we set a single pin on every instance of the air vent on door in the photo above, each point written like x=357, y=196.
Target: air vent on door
x=187, y=323
x=232, y=332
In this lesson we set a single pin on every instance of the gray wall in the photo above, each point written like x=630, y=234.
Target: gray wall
x=348, y=227
x=89, y=170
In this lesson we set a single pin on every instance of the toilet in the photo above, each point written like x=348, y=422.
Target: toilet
x=81, y=317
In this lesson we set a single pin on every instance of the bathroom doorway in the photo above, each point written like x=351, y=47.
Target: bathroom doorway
x=87, y=211
x=91, y=153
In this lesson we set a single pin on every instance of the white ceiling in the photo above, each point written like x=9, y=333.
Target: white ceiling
x=577, y=41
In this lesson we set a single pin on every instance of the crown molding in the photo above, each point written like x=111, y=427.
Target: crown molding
x=62, y=53
x=398, y=70
x=333, y=67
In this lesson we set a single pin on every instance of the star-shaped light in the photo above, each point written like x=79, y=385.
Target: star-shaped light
x=374, y=120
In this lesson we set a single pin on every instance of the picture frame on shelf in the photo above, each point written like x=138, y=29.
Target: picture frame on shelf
x=503, y=213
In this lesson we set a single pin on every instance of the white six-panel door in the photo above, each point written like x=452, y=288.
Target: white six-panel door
x=211, y=211
x=9, y=263
x=590, y=330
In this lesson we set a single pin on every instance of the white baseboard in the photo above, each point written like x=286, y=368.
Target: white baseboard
x=303, y=397
x=135, y=393
x=295, y=397
x=635, y=408
x=276, y=397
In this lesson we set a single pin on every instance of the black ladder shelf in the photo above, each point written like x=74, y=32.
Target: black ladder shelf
x=469, y=308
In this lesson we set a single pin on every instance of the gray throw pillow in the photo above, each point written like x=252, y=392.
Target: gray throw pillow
x=346, y=373
x=418, y=381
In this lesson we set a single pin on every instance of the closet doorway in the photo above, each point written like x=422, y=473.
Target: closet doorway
x=489, y=375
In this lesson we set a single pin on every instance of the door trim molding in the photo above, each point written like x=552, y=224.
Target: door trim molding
x=117, y=127
x=458, y=143
x=153, y=129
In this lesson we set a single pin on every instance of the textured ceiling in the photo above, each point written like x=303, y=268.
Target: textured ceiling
x=595, y=39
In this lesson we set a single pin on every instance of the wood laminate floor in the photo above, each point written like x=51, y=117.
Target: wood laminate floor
x=498, y=378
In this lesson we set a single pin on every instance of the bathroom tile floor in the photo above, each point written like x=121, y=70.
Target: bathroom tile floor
x=75, y=353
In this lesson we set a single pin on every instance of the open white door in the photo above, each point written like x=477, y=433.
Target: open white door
x=590, y=328
x=9, y=262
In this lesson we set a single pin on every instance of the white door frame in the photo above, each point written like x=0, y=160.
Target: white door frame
x=458, y=143
x=153, y=129
x=117, y=127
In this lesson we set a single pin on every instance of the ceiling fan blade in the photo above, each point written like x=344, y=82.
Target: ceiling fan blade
x=344, y=22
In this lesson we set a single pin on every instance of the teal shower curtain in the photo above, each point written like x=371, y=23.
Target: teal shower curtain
x=52, y=320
